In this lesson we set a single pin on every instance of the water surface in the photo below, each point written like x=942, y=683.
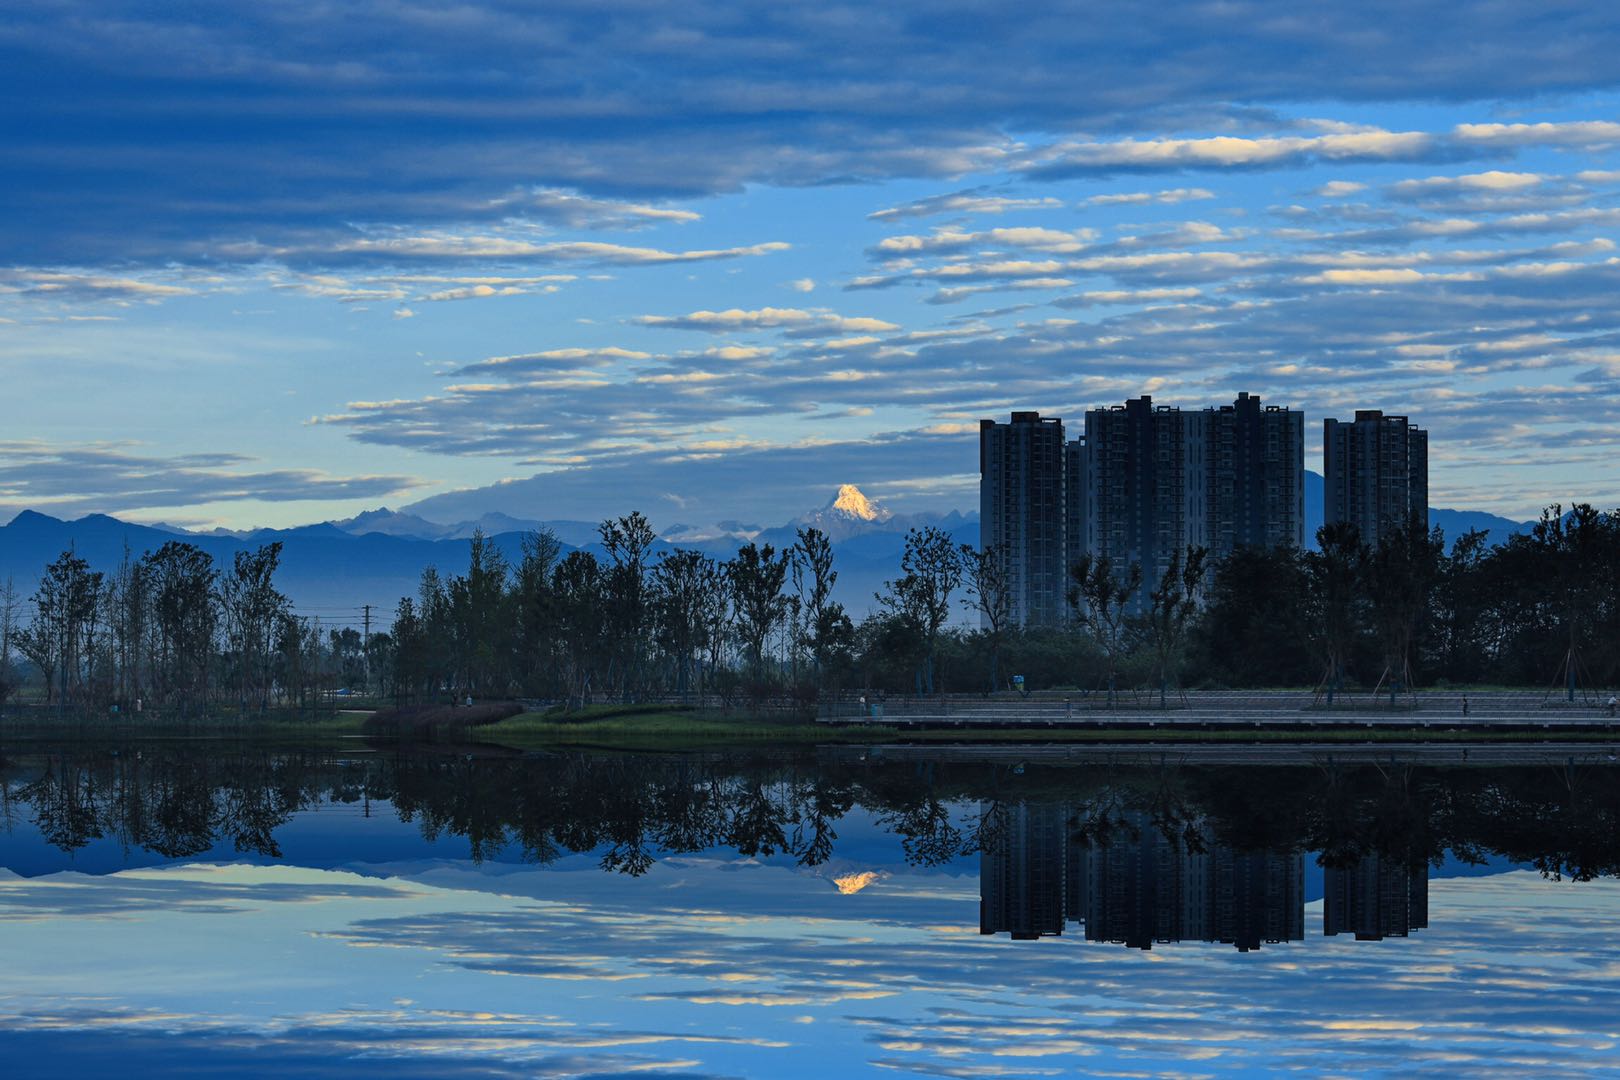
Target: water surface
x=452, y=911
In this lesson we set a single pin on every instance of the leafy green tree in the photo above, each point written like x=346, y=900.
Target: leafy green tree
x=578, y=586
x=678, y=581
x=1460, y=607
x=930, y=571
x=252, y=608
x=813, y=580
x=61, y=640
x=1401, y=576
x=1336, y=579
x=756, y=578
x=480, y=618
x=628, y=542
x=536, y=612
x=1252, y=630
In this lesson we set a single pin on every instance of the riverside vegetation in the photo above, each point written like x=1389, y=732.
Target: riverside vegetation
x=760, y=634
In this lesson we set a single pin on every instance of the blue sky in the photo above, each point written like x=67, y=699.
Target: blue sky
x=274, y=265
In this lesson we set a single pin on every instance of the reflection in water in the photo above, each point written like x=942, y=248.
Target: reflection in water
x=1132, y=883
x=1137, y=852
x=797, y=915
x=1378, y=897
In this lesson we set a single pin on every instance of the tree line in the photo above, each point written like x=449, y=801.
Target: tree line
x=174, y=631
x=1543, y=608
x=170, y=631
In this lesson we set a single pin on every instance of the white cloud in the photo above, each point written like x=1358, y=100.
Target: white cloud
x=1338, y=189
x=1566, y=133
x=1228, y=151
x=1494, y=181
x=803, y=285
x=963, y=203
x=1173, y=195
x=767, y=318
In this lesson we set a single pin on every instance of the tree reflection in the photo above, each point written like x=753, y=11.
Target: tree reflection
x=630, y=810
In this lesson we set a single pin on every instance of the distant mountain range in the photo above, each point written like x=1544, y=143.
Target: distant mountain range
x=333, y=568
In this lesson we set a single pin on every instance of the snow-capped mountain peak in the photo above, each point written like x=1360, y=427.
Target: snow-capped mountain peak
x=851, y=502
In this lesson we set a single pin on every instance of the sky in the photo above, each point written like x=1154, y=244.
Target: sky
x=273, y=264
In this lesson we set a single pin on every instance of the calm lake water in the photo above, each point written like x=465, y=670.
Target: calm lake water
x=202, y=909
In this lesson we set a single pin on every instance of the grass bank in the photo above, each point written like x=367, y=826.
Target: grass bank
x=657, y=725
x=677, y=727
x=275, y=726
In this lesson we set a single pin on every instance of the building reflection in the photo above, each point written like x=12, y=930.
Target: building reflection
x=1023, y=871
x=1378, y=897
x=1130, y=882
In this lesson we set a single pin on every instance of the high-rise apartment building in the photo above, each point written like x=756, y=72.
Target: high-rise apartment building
x=1377, y=473
x=1147, y=485
x=1256, y=462
x=1076, y=510
x=1023, y=469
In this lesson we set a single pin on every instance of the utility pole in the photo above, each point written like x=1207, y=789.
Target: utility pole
x=365, y=647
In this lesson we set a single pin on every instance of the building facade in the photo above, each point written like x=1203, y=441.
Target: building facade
x=1147, y=486
x=1256, y=461
x=1143, y=484
x=1023, y=472
x=1377, y=470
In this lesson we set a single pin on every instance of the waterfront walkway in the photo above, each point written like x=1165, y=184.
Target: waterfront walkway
x=1215, y=710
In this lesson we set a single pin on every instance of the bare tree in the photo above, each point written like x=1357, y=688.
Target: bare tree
x=1171, y=607
x=1098, y=596
x=989, y=589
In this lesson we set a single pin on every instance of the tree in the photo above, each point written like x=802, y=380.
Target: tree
x=253, y=608
x=1460, y=605
x=813, y=579
x=479, y=617
x=678, y=581
x=536, y=614
x=1171, y=607
x=1099, y=597
x=1335, y=574
x=410, y=665
x=185, y=616
x=756, y=577
x=61, y=640
x=628, y=542
x=989, y=589
x=930, y=570
x=8, y=637
x=577, y=585
x=1401, y=575
x=1572, y=551
x=1252, y=630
